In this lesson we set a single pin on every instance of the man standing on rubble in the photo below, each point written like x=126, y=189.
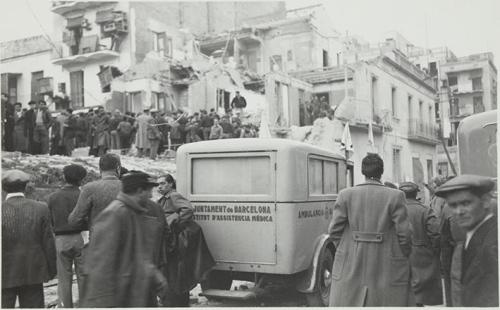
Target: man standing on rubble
x=238, y=103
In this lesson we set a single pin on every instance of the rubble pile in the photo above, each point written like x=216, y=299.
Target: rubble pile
x=47, y=170
x=324, y=133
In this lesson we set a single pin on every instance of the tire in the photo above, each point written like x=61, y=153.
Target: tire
x=321, y=295
x=217, y=280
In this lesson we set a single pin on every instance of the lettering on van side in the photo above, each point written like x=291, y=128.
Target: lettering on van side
x=238, y=213
x=311, y=213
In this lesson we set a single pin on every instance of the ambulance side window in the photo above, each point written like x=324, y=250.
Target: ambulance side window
x=323, y=176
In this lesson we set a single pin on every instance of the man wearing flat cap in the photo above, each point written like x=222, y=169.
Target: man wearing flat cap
x=424, y=258
x=476, y=258
x=125, y=252
x=28, y=247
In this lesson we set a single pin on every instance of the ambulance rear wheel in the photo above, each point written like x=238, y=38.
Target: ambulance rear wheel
x=217, y=280
x=321, y=296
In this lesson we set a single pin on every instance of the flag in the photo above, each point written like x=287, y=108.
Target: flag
x=371, y=141
x=346, y=142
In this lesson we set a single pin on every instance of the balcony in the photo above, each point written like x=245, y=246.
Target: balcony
x=63, y=7
x=90, y=48
x=419, y=131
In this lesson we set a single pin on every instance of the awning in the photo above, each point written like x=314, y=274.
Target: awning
x=104, y=16
x=74, y=22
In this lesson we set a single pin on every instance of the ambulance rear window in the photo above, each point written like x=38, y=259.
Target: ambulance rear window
x=231, y=176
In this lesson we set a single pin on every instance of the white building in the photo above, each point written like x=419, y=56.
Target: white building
x=27, y=71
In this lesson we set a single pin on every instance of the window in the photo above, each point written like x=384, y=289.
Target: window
x=162, y=44
x=394, y=102
x=289, y=55
x=325, y=58
x=478, y=104
x=35, y=87
x=396, y=165
x=443, y=169
x=421, y=111
x=275, y=63
x=431, y=120
x=235, y=176
x=477, y=83
x=432, y=69
x=222, y=99
x=77, y=88
x=134, y=102
x=436, y=110
x=452, y=80
x=430, y=174
x=323, y=176
x=410, y=108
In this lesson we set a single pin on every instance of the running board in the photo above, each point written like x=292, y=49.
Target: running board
x=233, y=295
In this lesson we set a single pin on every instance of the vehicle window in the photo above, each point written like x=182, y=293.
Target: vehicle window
x=231, y=176
x=315, y=176
x=323, y=176
x=330, y=175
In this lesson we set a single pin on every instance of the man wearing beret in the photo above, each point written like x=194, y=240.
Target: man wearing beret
x=424, y=258
x=28, y=248
x=125, y=251
x=371, y=232
x=476, y=258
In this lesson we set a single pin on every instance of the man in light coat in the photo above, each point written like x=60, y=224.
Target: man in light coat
x=371, y=232
x=424, y=258
x=141, y=139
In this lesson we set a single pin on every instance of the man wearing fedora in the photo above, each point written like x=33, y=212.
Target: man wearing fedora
x=125, y=251
x=475, y=261
x=424, y=257
x=28, y=247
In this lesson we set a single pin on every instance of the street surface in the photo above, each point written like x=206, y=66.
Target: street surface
x=277, y=299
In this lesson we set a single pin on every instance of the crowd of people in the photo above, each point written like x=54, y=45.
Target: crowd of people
x=126, y=249
x=36, y=131
x=393, y=250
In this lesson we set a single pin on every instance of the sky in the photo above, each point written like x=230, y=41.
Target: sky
x=465, y=26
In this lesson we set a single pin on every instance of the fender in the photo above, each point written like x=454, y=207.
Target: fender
x=306, y=281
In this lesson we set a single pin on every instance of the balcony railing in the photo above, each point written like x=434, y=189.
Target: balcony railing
x=87, y=49
x=420, y=131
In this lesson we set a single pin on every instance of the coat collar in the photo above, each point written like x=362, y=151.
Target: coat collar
x=130, y=202
x=371, y=182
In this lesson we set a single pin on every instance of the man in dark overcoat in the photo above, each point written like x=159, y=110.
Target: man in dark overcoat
x=28, y=248
x=188, y=258
x=29, y=124
x=125, y=252
x=371, y=232
x=424, y=258
x=476, y=259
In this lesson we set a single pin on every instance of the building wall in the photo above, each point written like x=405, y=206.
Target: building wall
x=25, y=66
x=300, y=47
x=358, y=110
